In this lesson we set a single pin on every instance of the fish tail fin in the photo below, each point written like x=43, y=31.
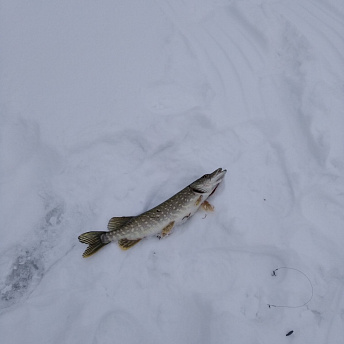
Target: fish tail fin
x=94, y=241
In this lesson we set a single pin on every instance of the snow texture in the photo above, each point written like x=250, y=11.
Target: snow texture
x=110, y=107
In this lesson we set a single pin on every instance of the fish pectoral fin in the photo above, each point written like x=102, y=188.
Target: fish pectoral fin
x=125, y=244
x=199, y=200
x=207, y=206
x=116, y=223
x=167, y=230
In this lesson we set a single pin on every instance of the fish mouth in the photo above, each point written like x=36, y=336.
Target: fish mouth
x=217, y=176
x=209, y=182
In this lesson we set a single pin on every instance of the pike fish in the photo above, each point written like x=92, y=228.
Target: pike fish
x=129, y=230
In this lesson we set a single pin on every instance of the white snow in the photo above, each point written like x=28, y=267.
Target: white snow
x=110, y=107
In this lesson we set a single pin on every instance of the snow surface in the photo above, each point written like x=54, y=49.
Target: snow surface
x=110, y=107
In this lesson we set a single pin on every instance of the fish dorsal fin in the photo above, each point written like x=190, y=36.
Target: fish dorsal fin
x=124, y=244
x=116, y=223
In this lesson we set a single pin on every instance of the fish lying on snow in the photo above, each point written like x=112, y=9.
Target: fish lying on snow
x=160, y=220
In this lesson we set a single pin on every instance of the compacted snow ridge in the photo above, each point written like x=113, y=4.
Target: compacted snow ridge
x=108, y=108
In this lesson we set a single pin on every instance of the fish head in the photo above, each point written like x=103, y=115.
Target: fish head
x=209, y=182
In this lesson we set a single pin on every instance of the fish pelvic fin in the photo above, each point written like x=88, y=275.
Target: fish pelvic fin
x=116, y=223
x=125, y=244
x=94, y=242
x=167, y=230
